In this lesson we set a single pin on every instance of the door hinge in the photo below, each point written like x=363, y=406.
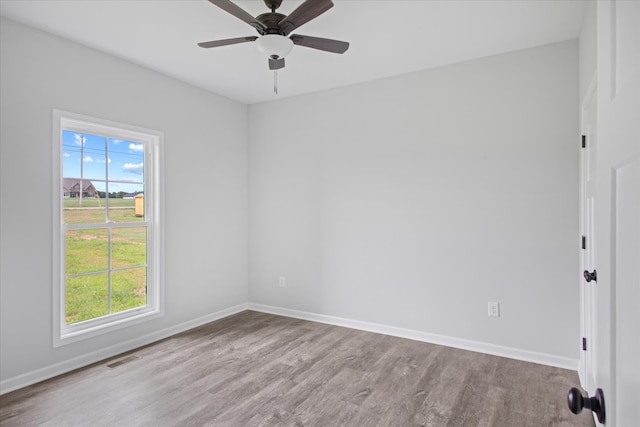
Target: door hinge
x=584, y=141
x=584, y=344
x=584, y=242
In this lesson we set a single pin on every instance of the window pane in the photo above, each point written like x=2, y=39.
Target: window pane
x=126, y=163
x=83, y=157
x=94, y=159
x=130, y=206
x=87, y=251
x=92, y=211
x=71, y=148
x=87, y=297
x=128, y=247
x=84, y=174
x=128, y=289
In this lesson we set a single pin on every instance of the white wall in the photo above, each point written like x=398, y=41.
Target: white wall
x=413, y=201
x=588, y=48
x=409, y=201
x=206, y=194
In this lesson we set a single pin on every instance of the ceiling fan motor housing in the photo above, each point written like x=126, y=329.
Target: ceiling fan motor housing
x=273, y=43
x=271, y=20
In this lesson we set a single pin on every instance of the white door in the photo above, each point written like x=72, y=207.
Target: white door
x=617, y=212
x=588, y=365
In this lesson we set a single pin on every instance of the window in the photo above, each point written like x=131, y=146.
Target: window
x=107, y=226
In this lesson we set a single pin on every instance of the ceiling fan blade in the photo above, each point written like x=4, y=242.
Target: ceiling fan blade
x=304, y=13
x=218, y=43
x=276, y=63
x=328, y=45
x=239, y=13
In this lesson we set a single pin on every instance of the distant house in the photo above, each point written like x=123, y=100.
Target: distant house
x=131, y=196
x=71, y=188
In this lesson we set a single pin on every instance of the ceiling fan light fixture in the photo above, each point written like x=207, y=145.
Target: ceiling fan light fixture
x=274, y=45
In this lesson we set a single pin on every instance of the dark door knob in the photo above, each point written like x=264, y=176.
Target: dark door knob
x=576, y=402
x=590, y=276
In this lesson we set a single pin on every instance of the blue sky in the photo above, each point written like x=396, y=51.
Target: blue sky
x=124, y=163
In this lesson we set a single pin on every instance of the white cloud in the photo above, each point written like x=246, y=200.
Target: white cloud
x=125, y=179
x=67, y=155
x=78, y=139
x=102, y=160
x=88, y=159
x=136, y=147
x=117, y=141
x=133, y=167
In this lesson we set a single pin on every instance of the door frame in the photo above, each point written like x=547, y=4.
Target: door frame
x=583, y=372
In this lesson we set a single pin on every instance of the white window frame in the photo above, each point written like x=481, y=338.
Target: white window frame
x=154, y=210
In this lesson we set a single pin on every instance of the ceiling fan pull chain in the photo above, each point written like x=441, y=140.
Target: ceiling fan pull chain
x=275, y=81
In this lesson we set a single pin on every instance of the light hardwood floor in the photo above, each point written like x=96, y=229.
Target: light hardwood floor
x=256, y=369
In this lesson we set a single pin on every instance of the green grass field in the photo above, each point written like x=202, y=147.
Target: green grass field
x=94, y=211
x=87, y=252
x=93, y=202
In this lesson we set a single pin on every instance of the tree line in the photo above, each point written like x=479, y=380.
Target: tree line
x=113, y=195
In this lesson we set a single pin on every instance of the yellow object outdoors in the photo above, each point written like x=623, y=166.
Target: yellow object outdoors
x=139, y=205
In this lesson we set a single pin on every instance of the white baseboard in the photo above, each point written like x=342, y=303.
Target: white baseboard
x=56, y=369
x=51, y=371
x=496, y=350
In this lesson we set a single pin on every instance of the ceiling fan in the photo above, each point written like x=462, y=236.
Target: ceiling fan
x=274, y=28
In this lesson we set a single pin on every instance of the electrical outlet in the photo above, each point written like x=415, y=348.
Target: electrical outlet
x=494, y=309
x=282, y=282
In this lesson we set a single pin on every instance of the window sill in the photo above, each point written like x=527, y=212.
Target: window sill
x=73, y=334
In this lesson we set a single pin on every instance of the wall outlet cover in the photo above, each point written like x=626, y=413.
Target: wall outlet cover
x=494, y=309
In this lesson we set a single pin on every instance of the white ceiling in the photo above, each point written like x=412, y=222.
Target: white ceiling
x=387, y=37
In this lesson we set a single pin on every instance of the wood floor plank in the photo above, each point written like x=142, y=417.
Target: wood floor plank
x=257, y=369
